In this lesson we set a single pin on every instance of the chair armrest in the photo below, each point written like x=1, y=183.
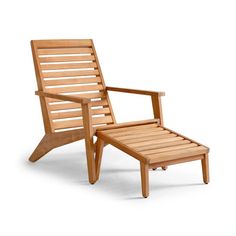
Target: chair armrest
x=63, y=97
x=135, y=91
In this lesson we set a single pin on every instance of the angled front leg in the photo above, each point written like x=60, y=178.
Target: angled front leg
x=88, y=131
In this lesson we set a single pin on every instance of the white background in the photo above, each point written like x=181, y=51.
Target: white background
x=185, y=48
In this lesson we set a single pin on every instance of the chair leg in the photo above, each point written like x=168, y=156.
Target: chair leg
x=54, y=140
x=205, y=169
x=98, y=158
x=41, y=149
x=144, y=179
x=164, y=167
x=90, y=161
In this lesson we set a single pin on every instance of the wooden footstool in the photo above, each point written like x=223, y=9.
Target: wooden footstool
x=154, y=146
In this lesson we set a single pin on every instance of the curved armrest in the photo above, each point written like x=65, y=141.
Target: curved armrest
x=63, y=97
x=135, y=91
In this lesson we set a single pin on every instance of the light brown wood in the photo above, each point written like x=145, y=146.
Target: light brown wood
x=162, y=148
x=205, y=169
x=80, y=95
x=76, y=113
x=157, y=108
x=68, y=106
x=60, y=66
x=117, y=128
x=144, y=179
x=121, y=146
x=75, y=105
x=140, y=140
x=80, y=80
x=63, y=43
x=152, y=147
x=64, y=124
x=87, y=122
x=63, y=82
x=174, y=162
x=66, y=59
x=55, y=51
x=70, y=73
x=99, y=150
x=70, y=89
x=103, y=83
x=44, y=105
x=54, y=140
x=176, y=154
x=63, y=97
x=135, y=91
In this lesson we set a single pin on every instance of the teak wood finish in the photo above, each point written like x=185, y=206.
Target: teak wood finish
x=72, y=95
x=75, y=105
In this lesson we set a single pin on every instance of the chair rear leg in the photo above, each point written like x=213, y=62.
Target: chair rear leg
x=163, y=168
x=144, y=168
x=98, y=158
x=205, y=169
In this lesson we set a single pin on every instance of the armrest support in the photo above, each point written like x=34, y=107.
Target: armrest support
x=135, y=91
x=63, y=97
x=155, y=96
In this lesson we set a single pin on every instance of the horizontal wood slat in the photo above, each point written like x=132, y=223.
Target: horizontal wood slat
x=147, y=138
x=85, y=80
x=75, y=89
x=55, y=51
x=139, y=134
x=171, y=148
x=155, y=142
x=79, y=123
x=67, y=106
x=62, y=43
x=66, y=59
x=68, y=66
x=69, y=73
x=71, y=114
x=176, y=154
x=130, y=129
x=161, y=145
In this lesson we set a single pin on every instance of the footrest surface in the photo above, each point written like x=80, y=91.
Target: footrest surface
x=151, y=143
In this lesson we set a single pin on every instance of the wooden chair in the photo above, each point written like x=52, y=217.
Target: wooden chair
x=75, y=105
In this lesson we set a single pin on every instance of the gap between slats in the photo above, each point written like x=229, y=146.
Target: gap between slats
x=72, y=114
x=79, y=123
x=71, y=105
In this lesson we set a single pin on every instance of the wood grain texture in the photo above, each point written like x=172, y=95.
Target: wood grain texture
x=54, y=140
x=98, y=159
x=205, y=169
x=87, y=122
x=144, y=179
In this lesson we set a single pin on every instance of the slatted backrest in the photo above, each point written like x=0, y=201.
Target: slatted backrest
x=70, y=67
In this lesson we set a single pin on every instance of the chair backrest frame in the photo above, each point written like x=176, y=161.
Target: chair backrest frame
x=70, y=67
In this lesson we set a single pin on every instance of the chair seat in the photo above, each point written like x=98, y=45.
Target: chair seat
x=153, y=144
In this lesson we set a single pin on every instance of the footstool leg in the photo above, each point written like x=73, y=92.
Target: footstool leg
x=205, y=169
x=164, y=167
x=144, y=179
